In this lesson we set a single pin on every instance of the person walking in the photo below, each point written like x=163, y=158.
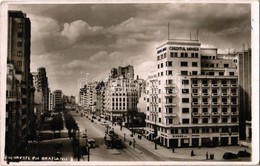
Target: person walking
x=207, y=156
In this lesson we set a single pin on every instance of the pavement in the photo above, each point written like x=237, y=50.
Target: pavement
x=179, y=153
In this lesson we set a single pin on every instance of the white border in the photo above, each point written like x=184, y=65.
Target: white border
x=255, y=77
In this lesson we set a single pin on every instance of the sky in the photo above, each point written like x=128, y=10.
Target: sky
x=77, y=42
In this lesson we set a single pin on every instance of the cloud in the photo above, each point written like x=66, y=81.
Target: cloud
x=79, y=29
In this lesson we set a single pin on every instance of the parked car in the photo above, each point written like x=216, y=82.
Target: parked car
x=92, y=120
x=243, y=153
x=229, y=155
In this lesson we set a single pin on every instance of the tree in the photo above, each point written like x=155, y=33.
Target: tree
x=57, y=123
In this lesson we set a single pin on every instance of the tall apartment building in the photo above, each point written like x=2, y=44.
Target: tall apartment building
x=121, y=94
x=57, y=101
x=88, y=96
x=19, y=104
x=192, y=99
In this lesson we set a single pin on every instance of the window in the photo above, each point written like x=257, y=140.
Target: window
x=184, y=64
x=185, y=121
x=231, y=73
x=170, y=121
x=214, y=90
x=147, y=108
x=204, y=81
x=182, y=55
x=194, y=81
x=169, y=63
x=19, y=25
x=195, y=120
x=205, y=120
x=195, y=100
x=204, y=110
x=224, y=120
x=233, y=109
x=171, y=54
x=169, y=110
x=204, y=90
x=184, y=72
x=161, y=65
x=169, y=72
x=195, y=130
x=196, y=55
x=195, y=91
x=194, y=64
x=225, y=130
x=214, y=120
x=226, y=65
x=174, y=131
x=224, y=109
x=158, y=58
x=185, y=100
x=185, y=82
x=164, y=55
x=205, y=130
x=186, y=55
x=169, y=82
x=215, y=100
x=176, y=54
x=19, y=44
x=215, y=130
x=185, y=110
x=224, y=99
x=160, y=120
x=159, y=109
x=184, y=131
x=19, y=63
x=195, y=110
x=20, y=34
x=161, y=73
x=204, y=100
x=185, y=90
x=19, y=53
x=234, y=120
x=194, y=73
x=221, y=73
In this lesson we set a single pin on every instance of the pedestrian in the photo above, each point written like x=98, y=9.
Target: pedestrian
x=130, y=143
x=192, y=153
x=133, y=143
x=207, y=156
x=173, y=149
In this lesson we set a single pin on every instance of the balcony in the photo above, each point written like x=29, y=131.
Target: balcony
x=214, y=94
x=215, y=85
x=169, y=104
x=205, y=114
x=205, y=85
x=205, y=103
x=224, y=103
x=225, y=114
x=195, y=103
x=170, y=85
x=224, y=94
x=195, y=94
x=233, y=85
x=215, y=103
x=169, y=94
x=215, y=114
x=194, y=85
x=234, y=113
x=195, y=114
x=224, y=85
x=234, y=94
x=169, y=115
x=205, y=94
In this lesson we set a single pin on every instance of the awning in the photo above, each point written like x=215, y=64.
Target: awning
x=157, y=137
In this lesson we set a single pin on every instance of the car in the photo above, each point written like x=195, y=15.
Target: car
x=84, y=135
x=229, y=155
x=92, y=120
x=99, y=120
x=243, y=153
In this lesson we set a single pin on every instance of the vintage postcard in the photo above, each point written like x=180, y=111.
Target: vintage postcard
x=130, y=82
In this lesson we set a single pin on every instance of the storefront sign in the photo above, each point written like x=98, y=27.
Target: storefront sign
x=184, y=48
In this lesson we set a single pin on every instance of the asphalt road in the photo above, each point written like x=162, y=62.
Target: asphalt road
x=96, y=131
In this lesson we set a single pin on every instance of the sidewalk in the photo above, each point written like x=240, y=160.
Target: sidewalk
x=179, y=153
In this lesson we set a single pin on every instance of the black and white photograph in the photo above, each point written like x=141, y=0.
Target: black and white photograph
x=129, y=82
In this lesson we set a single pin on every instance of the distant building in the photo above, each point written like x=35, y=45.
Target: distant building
x=88, y=96
x=193, y=98
x=245, y=88
x=57, y=101
x=19, y=94
x=121, y=95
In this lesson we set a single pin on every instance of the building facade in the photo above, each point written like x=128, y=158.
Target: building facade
x=19, y=104
x=57, y=101
x=121, y=95
x=192, y=99
x=245, y=77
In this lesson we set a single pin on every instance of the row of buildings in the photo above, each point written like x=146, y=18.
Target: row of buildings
x=28, y=94
x=116, y=98
x=193, y=97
